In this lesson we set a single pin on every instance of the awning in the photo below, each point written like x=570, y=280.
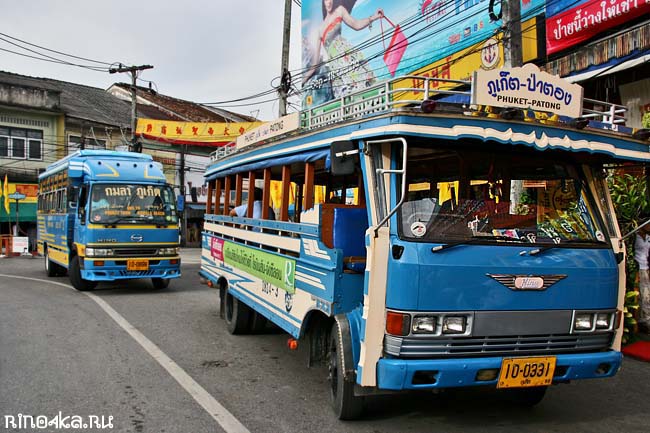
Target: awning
x=311, y=156
x=614, y=65
x=27, y=212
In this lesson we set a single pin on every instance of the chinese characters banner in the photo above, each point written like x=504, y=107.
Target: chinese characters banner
x=194, y=133
x=579, y=21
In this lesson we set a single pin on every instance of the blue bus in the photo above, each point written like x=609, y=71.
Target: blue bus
x=107, y=216
x=481, y=248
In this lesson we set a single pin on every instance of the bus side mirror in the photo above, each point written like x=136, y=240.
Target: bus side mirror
x=73, y=196
x=342, y=157
x=81, y=205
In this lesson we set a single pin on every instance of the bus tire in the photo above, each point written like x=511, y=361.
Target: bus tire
x=237, y=315
x=526, y=397
x=75, y=276
x=160, y=283
x=51, y=268
x=258, y=322
x=346, y=405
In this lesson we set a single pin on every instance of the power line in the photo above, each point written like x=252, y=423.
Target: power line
x=55, y=51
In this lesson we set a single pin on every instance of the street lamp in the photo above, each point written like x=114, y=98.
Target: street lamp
x=17, y=196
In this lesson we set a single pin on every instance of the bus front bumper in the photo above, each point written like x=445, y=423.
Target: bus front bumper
x=405, y=374
x=111, y=270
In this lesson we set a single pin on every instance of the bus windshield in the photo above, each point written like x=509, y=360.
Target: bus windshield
x=456, y=195
x=132, y=204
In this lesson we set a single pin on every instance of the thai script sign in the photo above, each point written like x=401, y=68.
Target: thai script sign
x=216, y=249
x=141, y=191
x=569, y=22
x=275, y=270
x=527, y=87
x=280, y=126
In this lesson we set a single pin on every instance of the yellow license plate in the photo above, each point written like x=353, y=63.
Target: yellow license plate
x=137, y=265
x=524, y=372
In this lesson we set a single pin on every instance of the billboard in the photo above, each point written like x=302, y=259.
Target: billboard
x=349, y=45
x=569, y=22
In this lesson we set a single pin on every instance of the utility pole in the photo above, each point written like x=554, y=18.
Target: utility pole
x=285, y=77
x=182, y=192
x=134, y=71
x=512, y=56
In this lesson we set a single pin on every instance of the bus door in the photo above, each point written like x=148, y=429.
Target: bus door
x=384, y=169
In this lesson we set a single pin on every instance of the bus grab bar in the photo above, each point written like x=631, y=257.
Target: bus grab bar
x=381, y=171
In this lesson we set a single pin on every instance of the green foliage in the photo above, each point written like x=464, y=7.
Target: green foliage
x=645, y=121
x=631, y=204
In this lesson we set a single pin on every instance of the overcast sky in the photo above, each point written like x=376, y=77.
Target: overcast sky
x=201, y=50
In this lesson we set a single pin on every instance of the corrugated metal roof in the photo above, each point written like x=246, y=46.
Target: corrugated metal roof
x=79, y=101
x=184, y=110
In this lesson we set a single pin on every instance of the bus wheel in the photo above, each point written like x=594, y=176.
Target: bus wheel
x=237, y=315
x=160, y=283
x=346, y=405
x=526, y=397
x=51, y=269
x=75, y=276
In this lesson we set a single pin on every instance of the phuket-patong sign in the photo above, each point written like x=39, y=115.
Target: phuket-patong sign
x=270, y=129
x=529, y=88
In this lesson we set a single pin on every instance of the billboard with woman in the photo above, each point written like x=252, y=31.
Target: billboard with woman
x=352, y=44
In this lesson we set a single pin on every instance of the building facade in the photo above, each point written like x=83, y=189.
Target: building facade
x=41, y=121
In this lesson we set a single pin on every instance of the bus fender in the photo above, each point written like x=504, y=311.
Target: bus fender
x=354, y=319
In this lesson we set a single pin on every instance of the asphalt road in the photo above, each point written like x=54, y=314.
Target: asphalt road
x=162, y=361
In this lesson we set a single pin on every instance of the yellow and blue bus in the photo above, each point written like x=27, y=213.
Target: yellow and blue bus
x=108, y=216
x=479, y=246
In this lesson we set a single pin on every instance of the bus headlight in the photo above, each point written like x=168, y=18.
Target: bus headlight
x=98, y=252
x=454, y=325
x=582, y=322
x=168, y=251
x=603, y=320
x=424, y=324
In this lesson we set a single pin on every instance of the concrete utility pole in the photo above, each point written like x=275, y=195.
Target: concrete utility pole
x=182, y=192
x=285, y=77
x=512, y=56
x=134, y=71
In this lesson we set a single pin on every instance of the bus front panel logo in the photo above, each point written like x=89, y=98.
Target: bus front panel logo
x=136, y=238
x=527, y=282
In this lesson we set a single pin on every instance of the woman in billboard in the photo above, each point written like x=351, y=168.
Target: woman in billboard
x=342, y=69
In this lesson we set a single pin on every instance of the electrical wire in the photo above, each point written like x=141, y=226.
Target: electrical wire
x=55, y=51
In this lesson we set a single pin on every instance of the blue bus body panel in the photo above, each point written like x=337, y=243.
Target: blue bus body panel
x=457, y=279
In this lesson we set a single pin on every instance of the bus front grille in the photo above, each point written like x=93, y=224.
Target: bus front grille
x=422, y=347
x=135, y=252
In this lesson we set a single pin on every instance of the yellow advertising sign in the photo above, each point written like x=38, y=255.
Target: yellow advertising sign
x=461, y=65
x=196, y=133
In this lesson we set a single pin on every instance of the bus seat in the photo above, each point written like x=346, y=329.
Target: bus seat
x=344, y=227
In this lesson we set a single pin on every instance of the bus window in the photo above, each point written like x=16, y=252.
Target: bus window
x=113, y=203
x=456, y=195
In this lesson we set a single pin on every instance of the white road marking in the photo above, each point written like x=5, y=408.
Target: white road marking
x=226, y=420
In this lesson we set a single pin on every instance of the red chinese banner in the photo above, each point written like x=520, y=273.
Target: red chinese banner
x=586, y=20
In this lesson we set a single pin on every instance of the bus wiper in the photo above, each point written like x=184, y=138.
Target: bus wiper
x=474, y=240
x=129, y=218
x=539, y=250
